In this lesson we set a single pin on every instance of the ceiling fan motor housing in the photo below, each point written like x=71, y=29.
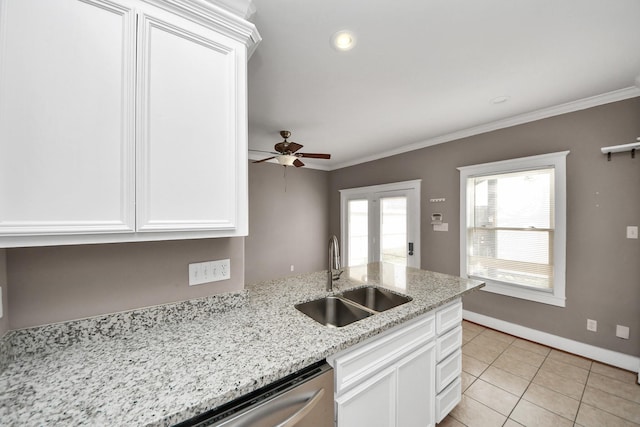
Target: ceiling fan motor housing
x=285, y=134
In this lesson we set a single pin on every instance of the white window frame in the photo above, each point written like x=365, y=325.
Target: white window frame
x=556, y=160
x=371, y=193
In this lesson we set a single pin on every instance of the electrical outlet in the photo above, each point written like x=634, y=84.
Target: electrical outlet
x=223, y=268
x=209, y=271
x=622, y=332
x=632, y=232
x=592, y=325
x=292, y=268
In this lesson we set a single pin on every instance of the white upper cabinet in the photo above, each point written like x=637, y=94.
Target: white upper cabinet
x=67, y=74
x=122, y=121
x=188, y=110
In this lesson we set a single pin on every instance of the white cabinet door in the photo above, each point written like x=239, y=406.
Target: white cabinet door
x=66, y=117
x=370, y=404
x=416, y=388
x=192, y=120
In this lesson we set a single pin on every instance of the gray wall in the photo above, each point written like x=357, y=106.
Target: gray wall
x=4, y=322
x=52, y=284
x=603, y=267
x=286, y=227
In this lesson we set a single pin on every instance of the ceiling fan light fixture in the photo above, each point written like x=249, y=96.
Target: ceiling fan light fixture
x=343, y=40
x=286, y=159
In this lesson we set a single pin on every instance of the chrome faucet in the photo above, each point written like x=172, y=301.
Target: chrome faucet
x=334, y=271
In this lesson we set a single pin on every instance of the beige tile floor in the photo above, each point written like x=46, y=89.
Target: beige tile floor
x=508, y=381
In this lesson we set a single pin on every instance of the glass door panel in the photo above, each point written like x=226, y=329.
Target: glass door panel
x=393, y=230
x=381, y=223
x=358, y=228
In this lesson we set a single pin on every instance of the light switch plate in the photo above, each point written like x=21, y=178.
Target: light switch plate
x=441, y=227
x=209, y=271
x=632, y=232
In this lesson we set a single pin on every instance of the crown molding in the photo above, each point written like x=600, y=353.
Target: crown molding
x=243, y=8
x=569, y=107
x=218, y=16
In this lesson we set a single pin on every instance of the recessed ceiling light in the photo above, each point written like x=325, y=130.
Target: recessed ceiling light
x=343, y=40
x=500, y=99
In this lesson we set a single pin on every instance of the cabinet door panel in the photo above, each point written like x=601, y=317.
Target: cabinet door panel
x=371, y=404
x=187, y=156
x=66, y=143
x=416, y=388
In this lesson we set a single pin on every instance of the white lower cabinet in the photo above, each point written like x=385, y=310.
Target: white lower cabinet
x=448, y=358
x=415, y=397
x=408, y=376
x=371, y=403
x=388, y=380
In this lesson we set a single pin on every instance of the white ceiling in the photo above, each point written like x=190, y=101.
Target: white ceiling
x=426, y=71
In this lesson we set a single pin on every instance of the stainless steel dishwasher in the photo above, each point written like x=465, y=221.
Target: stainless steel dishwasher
x=303, y=399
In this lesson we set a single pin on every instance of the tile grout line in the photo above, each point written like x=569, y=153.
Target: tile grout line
x=583, y=392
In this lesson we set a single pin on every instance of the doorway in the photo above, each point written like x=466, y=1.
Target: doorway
x=381, y=223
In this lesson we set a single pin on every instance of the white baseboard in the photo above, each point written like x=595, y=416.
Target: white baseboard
x=610, y=357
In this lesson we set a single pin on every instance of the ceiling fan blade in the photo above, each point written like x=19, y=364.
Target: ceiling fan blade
x=264, y=160
x=297, y=163
x=263, y=151
x=294, y=146
x=290, y=147
x=314, y=155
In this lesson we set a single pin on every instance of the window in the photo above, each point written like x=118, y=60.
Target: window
x=512, y=226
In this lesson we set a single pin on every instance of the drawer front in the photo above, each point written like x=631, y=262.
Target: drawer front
x=448, y=343
x=448, y=399
x=448, y=317
x=448, y=370
x=355, y=365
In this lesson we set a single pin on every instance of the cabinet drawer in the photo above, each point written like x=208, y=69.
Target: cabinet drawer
x=448, y=317
x=448, y=343
x=448, y=399
x=356, y=364
x=448, y=370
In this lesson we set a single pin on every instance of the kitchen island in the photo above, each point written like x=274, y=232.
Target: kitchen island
x=193, y=357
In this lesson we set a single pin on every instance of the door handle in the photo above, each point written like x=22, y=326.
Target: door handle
x=410, y=248
x=293, y=419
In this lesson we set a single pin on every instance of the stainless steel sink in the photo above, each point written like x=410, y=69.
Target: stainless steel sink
x=333, y=311
x=375, y=298
x=351, y=306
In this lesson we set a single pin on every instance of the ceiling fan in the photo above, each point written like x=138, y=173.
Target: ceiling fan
x=287, y=152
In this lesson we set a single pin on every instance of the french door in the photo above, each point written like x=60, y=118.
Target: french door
x=381, y=223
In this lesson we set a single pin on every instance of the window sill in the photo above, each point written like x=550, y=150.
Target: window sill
x=540, y=296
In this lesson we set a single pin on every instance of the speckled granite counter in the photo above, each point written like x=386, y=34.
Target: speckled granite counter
x=167, y=372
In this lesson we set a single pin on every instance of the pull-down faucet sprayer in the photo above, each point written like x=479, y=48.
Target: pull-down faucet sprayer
x=334, y=271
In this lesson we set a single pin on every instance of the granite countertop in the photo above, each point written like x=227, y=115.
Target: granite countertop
x=170, y=371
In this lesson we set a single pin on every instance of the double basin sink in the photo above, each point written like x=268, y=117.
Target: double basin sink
x=351, y=306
